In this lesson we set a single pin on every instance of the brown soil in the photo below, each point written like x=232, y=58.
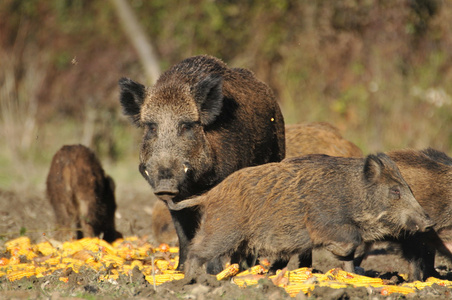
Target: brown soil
x=32, y=216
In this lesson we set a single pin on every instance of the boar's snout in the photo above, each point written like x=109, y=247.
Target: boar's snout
x=166, y=188
x=166, y=181
x=419, y=222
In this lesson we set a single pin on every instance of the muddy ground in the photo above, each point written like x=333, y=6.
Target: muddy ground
x=29, y=213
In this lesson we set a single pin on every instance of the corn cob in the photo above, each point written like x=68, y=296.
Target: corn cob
x=294, y=289
x=244, y=281
x=45, y=248
x=159, y=279
x=174, y=250
x=389, y=289
x=439, y=281
x=258, y=269
x=14, y=260
x=342, y=276
x=21, y=242
x=19, y=274
x=4, y=261
x=228, y=272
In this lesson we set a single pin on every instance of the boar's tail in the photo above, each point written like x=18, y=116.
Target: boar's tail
x=184, y=203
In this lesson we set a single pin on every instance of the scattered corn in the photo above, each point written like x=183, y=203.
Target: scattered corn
x=121, y=257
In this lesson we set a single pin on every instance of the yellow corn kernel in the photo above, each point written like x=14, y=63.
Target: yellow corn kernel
x=228, y=272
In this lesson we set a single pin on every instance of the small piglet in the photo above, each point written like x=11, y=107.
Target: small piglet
x=81, y=194
x=281, y=209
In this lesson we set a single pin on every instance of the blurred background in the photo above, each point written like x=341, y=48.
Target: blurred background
x=379, y=70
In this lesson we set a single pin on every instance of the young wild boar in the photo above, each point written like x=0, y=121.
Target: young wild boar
x=318, y=138
x=81, y=194
x=202, y=121
x=429, y=174
x=301, y=139
x=288, y=208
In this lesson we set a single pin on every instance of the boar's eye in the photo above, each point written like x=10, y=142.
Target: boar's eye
x=395, y=193
x=151, y=130
x=187, y=128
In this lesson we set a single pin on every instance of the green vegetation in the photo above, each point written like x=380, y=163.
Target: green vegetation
x=378, y=70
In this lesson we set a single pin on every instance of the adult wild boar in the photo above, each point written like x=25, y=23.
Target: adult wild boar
x=202, y=121
x=288, y=208
x=81, y=194
x=429, y=174
x=318, y=138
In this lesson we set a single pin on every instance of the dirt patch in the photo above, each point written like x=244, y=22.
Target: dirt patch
x=32, y=216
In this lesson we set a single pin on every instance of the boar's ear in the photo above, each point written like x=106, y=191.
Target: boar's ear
x=131, y=97
x=209, y=97
x=372, y=168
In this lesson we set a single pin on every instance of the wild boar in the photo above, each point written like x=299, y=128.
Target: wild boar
x=282, y=209
x=429, y=174
x=301, y=139
x=318, y=138
x=202, y=121
x=81, y=194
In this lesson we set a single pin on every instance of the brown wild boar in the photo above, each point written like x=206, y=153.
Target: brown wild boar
x=318, y=138
x=202, y=121
x=81, y=194
x=301, y=139
x=429, y=174
x=282, y=209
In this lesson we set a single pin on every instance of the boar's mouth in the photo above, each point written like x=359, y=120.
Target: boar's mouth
x=166, y=189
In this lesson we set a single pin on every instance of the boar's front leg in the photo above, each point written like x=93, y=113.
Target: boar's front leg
x=186, y=224
x=345, y=253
